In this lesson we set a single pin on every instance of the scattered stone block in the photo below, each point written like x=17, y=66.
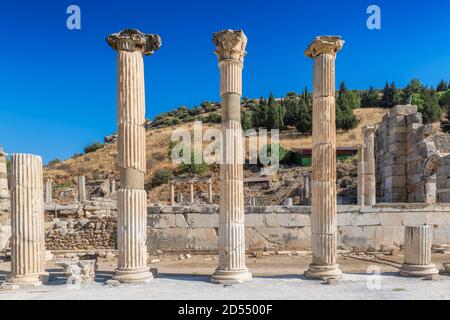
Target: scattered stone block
x=79, y=271
x=113, y=283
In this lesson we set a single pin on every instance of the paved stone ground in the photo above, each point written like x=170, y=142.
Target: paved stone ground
x=275, y=278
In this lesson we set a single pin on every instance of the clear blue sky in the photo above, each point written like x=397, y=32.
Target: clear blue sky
x=57, y=86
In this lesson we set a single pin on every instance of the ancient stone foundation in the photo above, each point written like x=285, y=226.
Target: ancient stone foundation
x=418, y=241
x=323, y=187
x=27, y=206
x=131, y=45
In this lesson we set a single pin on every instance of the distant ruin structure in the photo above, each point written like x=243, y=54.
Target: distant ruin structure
x=411, y=162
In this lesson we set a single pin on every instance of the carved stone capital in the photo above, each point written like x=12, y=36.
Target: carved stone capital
x=134, y=40
x=230, y=44
x=324, y=45
x=369, y=129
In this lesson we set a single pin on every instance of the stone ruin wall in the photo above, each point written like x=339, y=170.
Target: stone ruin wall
x=403, y=149
x=92, y=226
x=87, y=226
x=379, y=227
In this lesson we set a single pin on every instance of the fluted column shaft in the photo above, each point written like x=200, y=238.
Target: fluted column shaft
x=323, y=186
x=27, y=216
x=230, y=48
x=131, y=197
x=231, y=214
x=417, y=261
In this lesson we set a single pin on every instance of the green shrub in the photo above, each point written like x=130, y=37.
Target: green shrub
x=64, y=185
x=266, y=151
x=214, y=117
x=93, y=147
x=194, y=168
x=161, y=176
x=54, y=161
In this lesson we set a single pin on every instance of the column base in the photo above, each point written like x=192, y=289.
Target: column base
x=231, y=277
x=133, y=275
x=319, y=272
x=410, y=270
x=18, y=281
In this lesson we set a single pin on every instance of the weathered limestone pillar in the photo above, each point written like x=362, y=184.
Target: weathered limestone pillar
x=323, y=202
x=230, y=49
x=4, y=191
x=369, y=165
x=417, y=262
x=180, y=198
x=81, y=188
x=27, y=216
x=48, y=191
x=172, y=194
x=306, y=190
x=191, y=192
x=131, y=45
x=112, y=186
x=210, y=192
x=361, y=175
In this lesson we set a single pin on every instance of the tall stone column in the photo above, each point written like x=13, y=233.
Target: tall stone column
x=230, y=49
x=369, y=165
x=323, y=187
x=81, y=188
x=361, y=175
x=418, y=241
x=48, y=191
x=131, y=45
x=4, y=191
x=27, y=216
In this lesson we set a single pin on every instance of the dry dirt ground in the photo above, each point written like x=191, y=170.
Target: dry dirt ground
x=275, y=277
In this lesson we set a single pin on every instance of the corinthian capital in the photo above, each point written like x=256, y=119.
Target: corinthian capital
x=230, y=44
x=324, y=45
x=134, y=40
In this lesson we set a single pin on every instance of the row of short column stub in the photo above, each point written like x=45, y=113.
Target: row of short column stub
x=81, y=194
x=366, y=186
x=191, y=181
